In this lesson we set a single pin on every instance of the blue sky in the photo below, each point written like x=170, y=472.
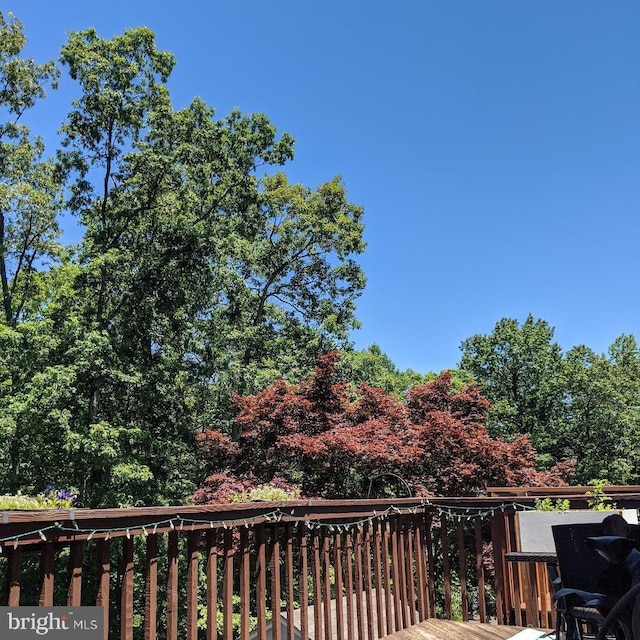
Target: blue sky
x=494, y=144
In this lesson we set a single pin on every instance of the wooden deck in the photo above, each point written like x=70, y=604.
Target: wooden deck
x=448, y=630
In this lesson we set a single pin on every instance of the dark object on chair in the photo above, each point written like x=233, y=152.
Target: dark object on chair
x=590, y=584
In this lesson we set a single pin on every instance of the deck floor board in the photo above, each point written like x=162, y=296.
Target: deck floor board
x=448, y=630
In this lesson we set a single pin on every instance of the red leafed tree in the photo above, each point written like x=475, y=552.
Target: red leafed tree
x=330, y=439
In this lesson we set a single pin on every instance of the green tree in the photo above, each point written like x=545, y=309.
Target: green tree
x=30, y=202
x=520, y=369
x=603, y=400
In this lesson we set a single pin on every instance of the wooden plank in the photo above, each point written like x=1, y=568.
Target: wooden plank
x=47, y=556
x=462, y=570
x=482, y=596
x=193, y=557
x=358, y=584
x=289, y=572
x=213, y=551
x=227, y=586
x=446, y=565
x=402, y=566
x=368, y=585
x=377, y=572
x=172, y=586
x=411, y=590
x=151, y=589
x=245, y=583
x=126, y=593
x=261, y=582
x=326, y=585
x=498, y=537
x=349, y=584
x=74, y=593
x=395, y=574
x=304, y=589
x=386, y=574
x=317, y=586
x=431, y=580
x=104, y=571
x=14, y=563
x=433, y=629
x=275, y=581
x=337, y=563
x=421, y=569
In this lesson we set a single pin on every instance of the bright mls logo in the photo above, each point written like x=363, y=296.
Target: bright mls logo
x=52, y=623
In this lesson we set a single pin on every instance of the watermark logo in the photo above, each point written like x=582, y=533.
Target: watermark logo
x=51, y=623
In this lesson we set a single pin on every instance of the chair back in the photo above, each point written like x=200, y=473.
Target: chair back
x=581, y=566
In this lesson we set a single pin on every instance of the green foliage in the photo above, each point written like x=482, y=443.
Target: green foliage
x=266, y=492
x=547, y=504
x=50, y=499
x=597, y=499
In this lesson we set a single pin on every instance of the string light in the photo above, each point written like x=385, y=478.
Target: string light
x=458, y=513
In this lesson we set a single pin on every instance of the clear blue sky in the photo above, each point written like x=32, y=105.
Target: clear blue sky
x=495, y=145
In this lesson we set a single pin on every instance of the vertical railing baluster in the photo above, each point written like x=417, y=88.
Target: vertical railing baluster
x=245, y=584
x=213, y=551
x=289, y=573
x=386, y=562
x=126, y=593
x=304, y=585
x=172, y=585
x=337, y=562
x=74, y=593
x=446, y=564
x=14, y=563
x=395, y=574
x=276, y=587
x=326, y=584
x=377, y=572
x=431, y=561
x=421, y=573
x=227, y=586
x=368, y=585
x=358, y=583
x=462, y=568
x=193, y=561
x=348, y=543
x=410, y=572
x=261, y=582
x=317, y=587
x=47, y=556
x=104, y=579
x=151, y=589
x=482, y=596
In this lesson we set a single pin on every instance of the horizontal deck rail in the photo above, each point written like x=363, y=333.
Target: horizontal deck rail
x=321, y=569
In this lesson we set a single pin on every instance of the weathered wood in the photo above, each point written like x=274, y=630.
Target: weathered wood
x=349, y=584
x=337, y=563
x=289, y=574
x=462, y=570
x=482, y=596
x=172, y=586
x=245, y=583
x=304, y=590
x=326, y=585
x=358, y=584
x=317, y=587
x=126, y=593
x=213, y=552
x=104, y=578
x=151, y=589
x=14, y=563
x=193, y=557
x=74, y=593
x=377, y=572
x=261, y=582
x=227, y=587
x=275, y=581
x=448, y=630
x=47, y=556
x=368, y=586
x=446, y=565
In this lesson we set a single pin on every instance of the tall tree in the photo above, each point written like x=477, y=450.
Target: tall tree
x=30, y=202
x=520, y=369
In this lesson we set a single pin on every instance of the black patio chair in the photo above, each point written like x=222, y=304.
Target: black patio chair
x=589, y=583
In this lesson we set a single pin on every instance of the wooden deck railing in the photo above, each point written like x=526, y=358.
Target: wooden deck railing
x=351, y=570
